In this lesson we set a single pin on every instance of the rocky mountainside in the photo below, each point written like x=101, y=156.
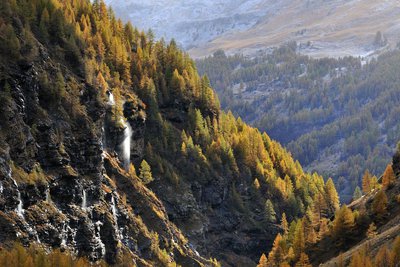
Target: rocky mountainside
x=61, y=183
x=113, y=148
x=323, y=28
x=364, y=233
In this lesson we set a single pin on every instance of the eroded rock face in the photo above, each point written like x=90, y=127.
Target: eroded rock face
x=61, y=183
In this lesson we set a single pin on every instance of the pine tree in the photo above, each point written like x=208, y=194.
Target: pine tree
x=343, y=223
x=303, y=261
x=270, y=213
x=360, y=259
x=284, y=224
x=263, y=261
x=276, y=256
x=366, y=182
x=145, y=172
x=299, y=240
x=323, y=228
x=388, y=177
x=384, y=258
x=357, y=193
x=396, y=249
x=374, y=183
x=380, y=203
x=332, y=195
x=44, y=24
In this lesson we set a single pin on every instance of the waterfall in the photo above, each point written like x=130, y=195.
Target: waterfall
x=48, y=197
x=126, y=145
x=115, y=216
x=84, y=200
x=20, y=207
x=20, y=210
x=98, y=238
x=64, y=235
x=111, y=100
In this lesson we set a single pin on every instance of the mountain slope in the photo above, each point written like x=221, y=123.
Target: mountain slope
x=365, y=233
x=199, y=21
x=337, y=116
x=113, y=147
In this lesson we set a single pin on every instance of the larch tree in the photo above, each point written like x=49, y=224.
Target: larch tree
x=303, y=261
x=343, y=223
x=388, y=177
x=277, y=254
x=299, y=240
x=332, y=195
x=263, y=261
x=379, y=204
x=396, y=249
x=384, y=258
x=366, y=182
x=357, y=193
x=270, y=213
x=284, y=224
x=145, y=172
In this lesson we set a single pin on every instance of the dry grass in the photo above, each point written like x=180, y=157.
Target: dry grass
x=336, y=27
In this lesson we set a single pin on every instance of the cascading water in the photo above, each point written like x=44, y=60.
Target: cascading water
x=126, y=145
x=115, y=216
x=111, y=100
x=20, y=210
x=84, y=200
x=20, y=207
x=64, y=235
x=48, y=197
x=98, y=238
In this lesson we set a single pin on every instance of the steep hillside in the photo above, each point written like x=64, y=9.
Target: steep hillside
x=337, y=116
x=365, y=233
x=113, y=147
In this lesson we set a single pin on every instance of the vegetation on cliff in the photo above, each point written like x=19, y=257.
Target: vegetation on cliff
x=365, y=233
x=215, y=174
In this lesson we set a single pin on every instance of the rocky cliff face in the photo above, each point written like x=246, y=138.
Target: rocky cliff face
x=85, y=100
x=62, y=184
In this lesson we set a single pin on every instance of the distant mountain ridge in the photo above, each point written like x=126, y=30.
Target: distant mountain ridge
x=198, y=23
x=324, y=28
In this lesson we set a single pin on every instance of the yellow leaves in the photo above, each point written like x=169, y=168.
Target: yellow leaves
x=256, y=184
x=388, y=177
x=380, y=203
x=263, y=261
x=19, y=256
x=343, y=223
